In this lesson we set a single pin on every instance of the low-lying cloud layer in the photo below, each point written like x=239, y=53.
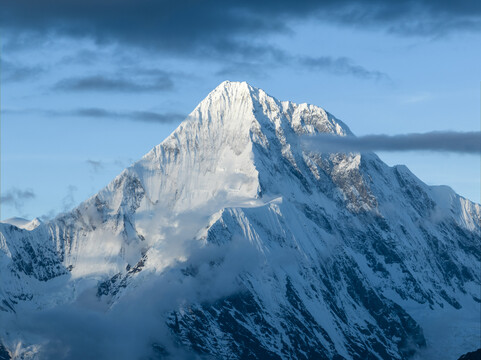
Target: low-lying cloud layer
x=88, y=328
x=444, y=141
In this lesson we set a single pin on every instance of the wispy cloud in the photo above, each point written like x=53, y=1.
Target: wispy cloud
x=95, y=165
x=16, y=72
x=416, y=98
x=442, y=141
x=143, y=116
x=83, y=57
x=102, y=83
x=101, y=113
x=16, y=198
x=341, y=66
x=68, y=200
x=241, y=68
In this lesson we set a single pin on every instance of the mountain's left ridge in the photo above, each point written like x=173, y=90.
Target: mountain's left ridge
x=276, y=252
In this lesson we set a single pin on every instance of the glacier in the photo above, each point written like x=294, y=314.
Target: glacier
x=230, y=240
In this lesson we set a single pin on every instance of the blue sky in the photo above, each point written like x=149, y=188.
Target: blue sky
x=89, y=87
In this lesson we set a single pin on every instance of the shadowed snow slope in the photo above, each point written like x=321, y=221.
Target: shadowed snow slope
x=230, y=240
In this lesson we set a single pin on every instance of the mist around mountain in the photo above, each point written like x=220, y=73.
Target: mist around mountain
x=230, y=240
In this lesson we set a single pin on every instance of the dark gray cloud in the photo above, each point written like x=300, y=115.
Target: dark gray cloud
x=16, y=72
x=115, y=84
x=16, y=198
x=341, y=66
x=237, y=56
x=218, y=27
x=444, y=141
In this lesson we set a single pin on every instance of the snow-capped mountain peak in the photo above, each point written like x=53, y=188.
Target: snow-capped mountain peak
x=222, y=137
x=245, y=245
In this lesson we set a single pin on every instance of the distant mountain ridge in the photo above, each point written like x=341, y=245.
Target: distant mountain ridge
x=243, y=245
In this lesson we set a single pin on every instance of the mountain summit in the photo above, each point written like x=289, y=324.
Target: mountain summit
x=229, y=240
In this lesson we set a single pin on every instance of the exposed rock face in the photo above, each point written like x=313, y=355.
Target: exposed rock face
x=275, y=252
x=473, y=355
x=4, y=355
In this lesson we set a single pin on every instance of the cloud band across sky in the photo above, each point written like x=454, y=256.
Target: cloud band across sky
x=179, y=25
x=439, y=141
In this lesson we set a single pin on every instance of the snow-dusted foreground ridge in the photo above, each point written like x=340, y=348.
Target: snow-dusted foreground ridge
x=230, y=241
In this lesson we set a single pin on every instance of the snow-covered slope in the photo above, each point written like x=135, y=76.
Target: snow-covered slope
x=230, y=240
x=23, y=223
